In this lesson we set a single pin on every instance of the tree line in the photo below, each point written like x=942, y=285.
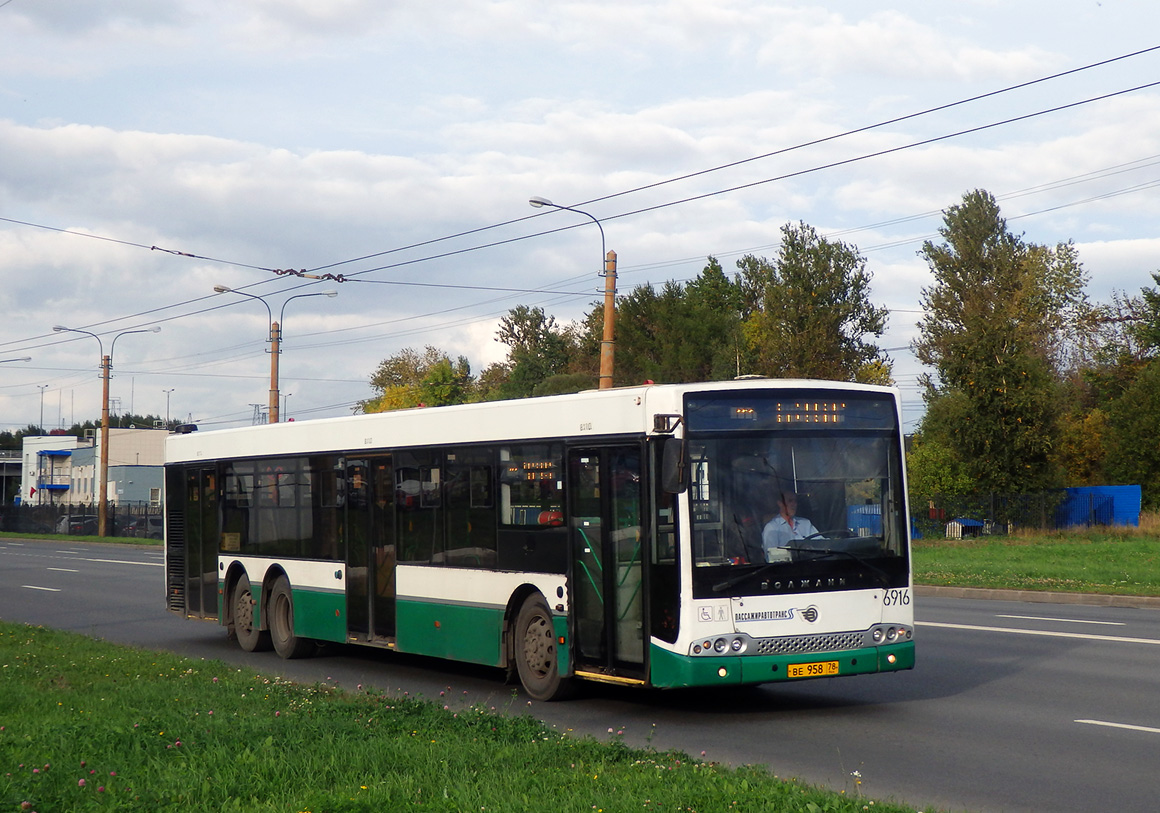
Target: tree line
x=806, y=313
x=15, y=440
x=1031, y=386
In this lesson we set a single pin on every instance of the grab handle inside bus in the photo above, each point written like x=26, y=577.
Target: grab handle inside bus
x=673, y=466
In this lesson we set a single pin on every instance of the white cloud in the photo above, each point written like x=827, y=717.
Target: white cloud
x=287, y=134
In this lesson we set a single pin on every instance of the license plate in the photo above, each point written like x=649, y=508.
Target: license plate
x=819, y=669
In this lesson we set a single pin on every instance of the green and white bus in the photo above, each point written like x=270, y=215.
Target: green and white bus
x=616, y=535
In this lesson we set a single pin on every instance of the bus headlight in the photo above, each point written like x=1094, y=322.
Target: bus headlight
x=719, y=645
x=889, y=634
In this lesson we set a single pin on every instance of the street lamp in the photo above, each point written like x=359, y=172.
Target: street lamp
x=607, y=343
x=167, y=393
x=275, y=337
x=106, y=370
x=42, y=388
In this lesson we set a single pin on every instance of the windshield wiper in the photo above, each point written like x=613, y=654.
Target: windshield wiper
x=824, y=552
x=725, y=585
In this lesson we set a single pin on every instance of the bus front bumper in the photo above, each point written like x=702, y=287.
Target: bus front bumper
x=671, y=670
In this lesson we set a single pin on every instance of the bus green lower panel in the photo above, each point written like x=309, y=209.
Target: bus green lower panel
x=670, y=670
x=320, y=615
x=454, y=631
x=563, y=654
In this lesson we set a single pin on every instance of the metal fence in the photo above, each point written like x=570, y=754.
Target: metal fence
x=126, y=519
x=954, y=517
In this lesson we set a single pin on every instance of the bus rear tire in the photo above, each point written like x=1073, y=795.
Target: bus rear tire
x=534, y=647
x=242, y=605
x=281, y=623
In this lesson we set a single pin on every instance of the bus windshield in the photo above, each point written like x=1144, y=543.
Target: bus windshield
x=806, y=509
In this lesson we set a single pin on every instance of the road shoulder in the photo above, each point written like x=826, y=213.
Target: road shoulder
x=1039, y=596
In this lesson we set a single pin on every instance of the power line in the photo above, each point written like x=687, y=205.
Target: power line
x=687, y=176
x=730, y=165
x=738, y=187
x=617, y=195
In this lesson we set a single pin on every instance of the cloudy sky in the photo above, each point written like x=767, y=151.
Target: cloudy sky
x=150, y=151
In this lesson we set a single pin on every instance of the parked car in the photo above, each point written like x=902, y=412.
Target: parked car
x=77, y=524
x=150, y=527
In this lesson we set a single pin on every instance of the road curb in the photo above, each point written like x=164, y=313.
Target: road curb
x=1039, y=596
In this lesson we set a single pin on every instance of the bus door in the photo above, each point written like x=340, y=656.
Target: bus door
x=604, y=488
x=370, y=547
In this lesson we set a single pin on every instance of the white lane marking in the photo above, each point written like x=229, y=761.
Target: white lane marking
x=1144, y=728
x=72, y=557
x=1067, y=620
x=1116, y=639
x=63, y=569
x=46, y=589
x=123, y=562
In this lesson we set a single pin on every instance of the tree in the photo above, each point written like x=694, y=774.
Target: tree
x=1147, y=329
x=15, y=440
x=679, y=333
x=997, y=316
x=410, y=379
x=810, y=310
x=538, y=350
x=1133, y=427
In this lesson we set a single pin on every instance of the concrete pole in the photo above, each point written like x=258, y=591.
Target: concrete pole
x=608, y=343
x=275, y=351
x=103, y=496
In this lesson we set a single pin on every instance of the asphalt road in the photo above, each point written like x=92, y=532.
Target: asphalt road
x=1012, y=707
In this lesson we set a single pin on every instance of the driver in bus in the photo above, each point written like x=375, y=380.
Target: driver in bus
x=786, y=526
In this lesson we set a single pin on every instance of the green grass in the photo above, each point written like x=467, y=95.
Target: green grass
x=1111, y=561
x=120, y=540
x=87, y=725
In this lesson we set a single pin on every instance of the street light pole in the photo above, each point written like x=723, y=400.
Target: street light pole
x=608, y=341
x=106, y=372
x=42, y=388
x=275, y=338
x=167, y=394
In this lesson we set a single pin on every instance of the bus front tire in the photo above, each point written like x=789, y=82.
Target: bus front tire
x=242, y=605
x=281, y=622
x=535, y=652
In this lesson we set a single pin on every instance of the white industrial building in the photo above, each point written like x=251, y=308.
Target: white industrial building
x=66, y=470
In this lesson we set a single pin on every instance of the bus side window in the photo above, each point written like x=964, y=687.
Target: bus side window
x=418, y=490
x=470, y=514
x=531, y=485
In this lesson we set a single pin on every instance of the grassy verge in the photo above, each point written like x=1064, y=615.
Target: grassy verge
x=120, y=540
x=1112, y=561
x=87, y=725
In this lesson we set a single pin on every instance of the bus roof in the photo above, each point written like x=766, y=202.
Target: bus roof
x=599, y=413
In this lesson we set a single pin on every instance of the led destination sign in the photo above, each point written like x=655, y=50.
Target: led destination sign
x=775, y=410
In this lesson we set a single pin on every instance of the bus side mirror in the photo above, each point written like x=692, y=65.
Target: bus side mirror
x=673, y=466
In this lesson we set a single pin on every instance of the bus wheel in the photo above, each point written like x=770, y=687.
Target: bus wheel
x=535, y=652
x=249, y=637
x=281, y=610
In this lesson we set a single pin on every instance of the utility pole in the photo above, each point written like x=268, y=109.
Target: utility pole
x=275, y=350
x=103, y=497
x=608, y=343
